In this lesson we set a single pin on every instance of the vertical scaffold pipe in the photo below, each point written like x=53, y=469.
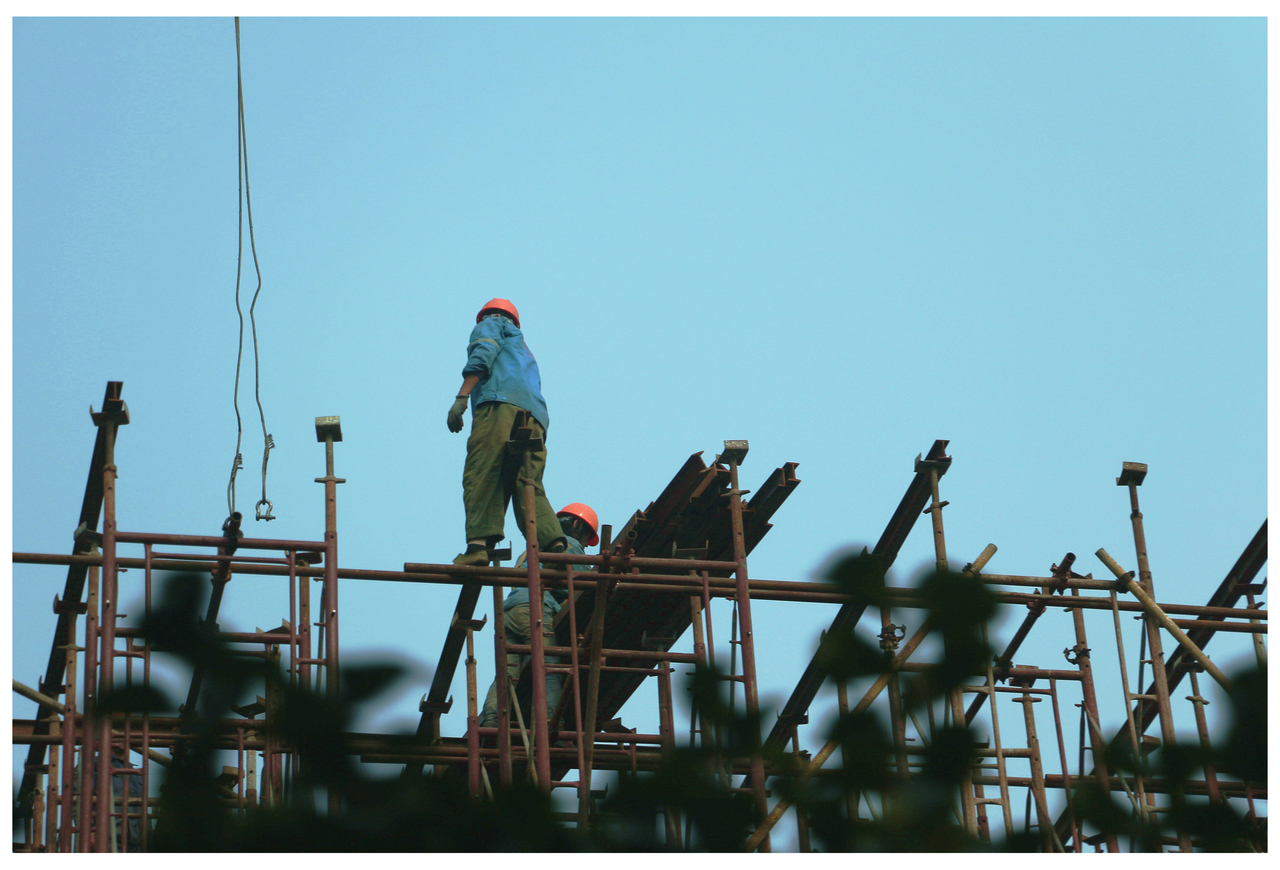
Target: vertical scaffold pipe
x=575, y=685
x=473, y=720
x=1202, y=728
x=329, y=430
x=88, y=738
x=595, y=633
x=967, y=797
x=107, y=637
x=1154, y=610
x=1049, y=839
x=66, y=812
x=851, y=796
x=1259, y=645
x=735, y=451
x=52, y=779
x=147, y=578
x=1150, y=625
x=542, y=751
x=1089, y=700
x=500, y=683
x=821, y=758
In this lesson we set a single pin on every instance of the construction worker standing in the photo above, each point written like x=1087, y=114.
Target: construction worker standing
x=499, y=380
x=579, y=523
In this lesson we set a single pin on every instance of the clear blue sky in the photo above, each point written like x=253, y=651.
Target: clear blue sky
x=1042, y=239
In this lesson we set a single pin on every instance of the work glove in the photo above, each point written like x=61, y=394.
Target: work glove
x=455, y=413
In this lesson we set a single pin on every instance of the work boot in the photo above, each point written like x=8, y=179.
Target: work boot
x=476, y=554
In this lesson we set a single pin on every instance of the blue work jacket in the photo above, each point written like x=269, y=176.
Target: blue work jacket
x=508, y=372
x=550, y=598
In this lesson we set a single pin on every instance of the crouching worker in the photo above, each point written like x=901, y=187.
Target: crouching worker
x=579, y=524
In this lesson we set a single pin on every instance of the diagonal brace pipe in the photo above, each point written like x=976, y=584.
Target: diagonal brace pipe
x=818, y=760
x=1125, y=580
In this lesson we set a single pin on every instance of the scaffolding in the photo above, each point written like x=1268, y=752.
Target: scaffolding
x=626, y=610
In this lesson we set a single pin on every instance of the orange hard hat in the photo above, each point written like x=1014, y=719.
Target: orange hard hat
x=587, y=515
x=503, y=305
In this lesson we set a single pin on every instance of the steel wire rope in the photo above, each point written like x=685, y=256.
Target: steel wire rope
x=245, y=205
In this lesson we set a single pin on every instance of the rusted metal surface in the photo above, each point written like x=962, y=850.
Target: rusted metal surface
x=628, y=608
x=735, y=452
x=538, y=658
x=891, y=540
x=73, y=589
x=1233, y=587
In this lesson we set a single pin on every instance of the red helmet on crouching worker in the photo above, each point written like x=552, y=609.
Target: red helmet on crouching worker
x=503, y=305
x=587, y=515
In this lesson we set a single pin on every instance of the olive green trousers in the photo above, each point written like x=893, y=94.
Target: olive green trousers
x=493, y=475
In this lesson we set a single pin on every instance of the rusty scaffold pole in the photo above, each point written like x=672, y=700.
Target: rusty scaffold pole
x=626, y=610
x=734, y=453
x=540, y=725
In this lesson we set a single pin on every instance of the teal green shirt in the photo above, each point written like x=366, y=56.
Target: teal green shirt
x=550, y=598
x=508, y=372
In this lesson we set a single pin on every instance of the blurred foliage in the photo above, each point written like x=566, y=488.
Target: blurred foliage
x=434, y=813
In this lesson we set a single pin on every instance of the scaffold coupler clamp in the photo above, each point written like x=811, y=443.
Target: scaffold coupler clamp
x=1122, y=582
x=1061, y=574
x=1036, y=606
x=1074, y=654
x=890, y=635
x=1000, y=668
x=231, y=531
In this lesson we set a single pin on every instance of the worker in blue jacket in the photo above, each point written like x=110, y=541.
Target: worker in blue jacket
x=499, y=380
x=579, y=523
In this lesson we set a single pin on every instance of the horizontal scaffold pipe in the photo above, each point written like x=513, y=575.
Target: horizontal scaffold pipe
x=720, y=587
x=395, y=749
x=216, y=541
x=642, y=655
x=165, y=730
x=1054, y=781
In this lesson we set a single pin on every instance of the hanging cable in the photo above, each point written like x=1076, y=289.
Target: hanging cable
x=246, y=207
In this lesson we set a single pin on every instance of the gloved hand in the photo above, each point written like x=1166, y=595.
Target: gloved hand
x=455, y=413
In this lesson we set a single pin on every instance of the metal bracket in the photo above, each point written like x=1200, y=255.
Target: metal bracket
x=734, y=451
x=472, y=624
x=438, y=708
x=795, y=718
x=257, y=708
x=328, y=427
x=1132, y=473
x=941, y=464
x=688, y=552
x=52, y=690
x=659, y=644
x=60, y=607
x=114, y=410
x=86, y=535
